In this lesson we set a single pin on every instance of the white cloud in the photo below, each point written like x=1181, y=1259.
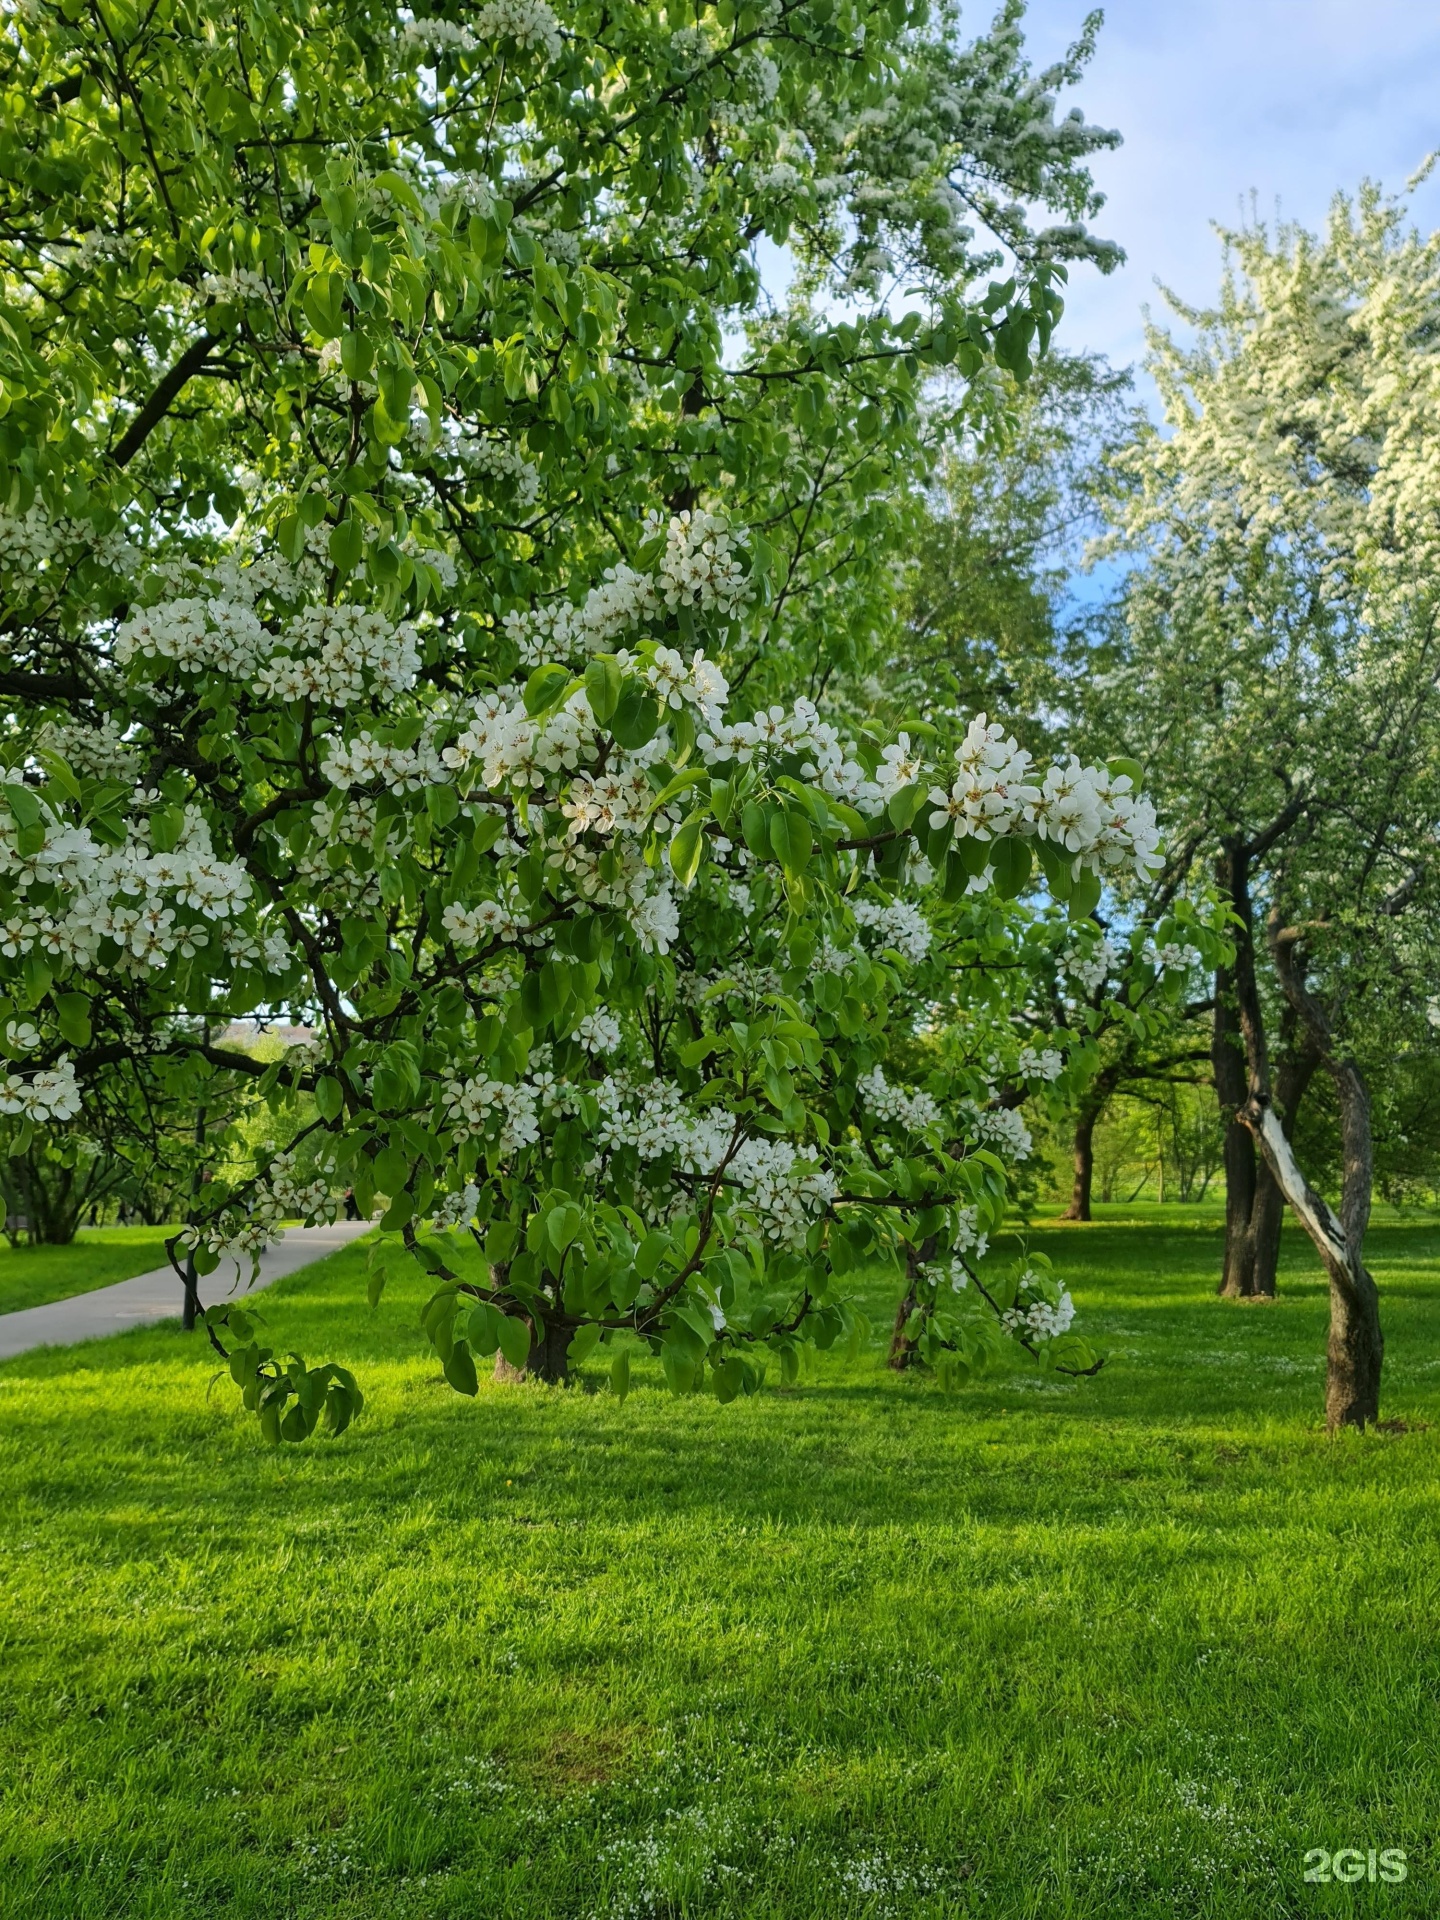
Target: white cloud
x=1288, y=99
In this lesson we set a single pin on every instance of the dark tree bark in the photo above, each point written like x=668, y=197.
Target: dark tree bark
x=190, y=1308
x=1084, y=1180
x=1355, y=1350
x=1237, y=1275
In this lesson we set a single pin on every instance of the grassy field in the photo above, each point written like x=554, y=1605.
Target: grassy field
x=1129, y=1646
x=97, y=1257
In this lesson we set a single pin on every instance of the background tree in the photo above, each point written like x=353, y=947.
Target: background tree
x=993, y=553
x=1275, y=667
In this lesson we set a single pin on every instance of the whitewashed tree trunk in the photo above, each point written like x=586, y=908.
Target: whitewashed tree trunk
x=1356, y=1347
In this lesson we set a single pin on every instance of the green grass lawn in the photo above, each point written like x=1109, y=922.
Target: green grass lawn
x=1126, y=1646
x=33, y=1276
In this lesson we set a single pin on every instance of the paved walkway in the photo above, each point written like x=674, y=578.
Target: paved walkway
x=157, y=1296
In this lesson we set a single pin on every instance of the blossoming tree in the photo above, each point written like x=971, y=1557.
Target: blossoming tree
x=1277, y=669
x=373, y=624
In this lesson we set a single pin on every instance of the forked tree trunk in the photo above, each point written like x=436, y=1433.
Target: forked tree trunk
x=1355, y=1350
x=1254, y=1200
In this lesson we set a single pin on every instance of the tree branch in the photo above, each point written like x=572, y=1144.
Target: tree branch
x=158, y=405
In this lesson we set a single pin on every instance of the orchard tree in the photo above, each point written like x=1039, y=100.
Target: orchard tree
x=986, y=1024
x=1135, y=997
x=387, y=522
x=1001, y=529
x=1278, y=669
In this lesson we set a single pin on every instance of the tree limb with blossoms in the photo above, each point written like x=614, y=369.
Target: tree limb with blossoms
x=385, y=532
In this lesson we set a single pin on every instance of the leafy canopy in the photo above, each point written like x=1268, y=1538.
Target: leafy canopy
x=402, y=469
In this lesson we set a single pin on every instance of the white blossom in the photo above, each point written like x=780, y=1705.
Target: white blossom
x=1003, y=1129
x=913, y=1111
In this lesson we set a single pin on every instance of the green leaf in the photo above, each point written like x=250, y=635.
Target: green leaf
x=500, y=1242
x=514, y=1337
x=59, y=771
x=392, y=1170
x=325, y=304
x=755, y=825
x=602, y=686
x=792, y=840
x=24, y=805
x=1085, y=897
x=545, y=686
x=905, y=804
x=688, y=777
x=620, y=1375
x=652, y=1251
x=347, y=543
x=399, y=1213
x=329, y=1097
x=167, y=824
x=637, y=716
x=1057, y=865
x=357, y=356
x=1010, y=858
x=1119, y=766
x=687, y=849
x=460, y=1369
x=563, y=1224
x=482, y=1328
x=72, y=1011
x=583, y=1344
x=442, y=804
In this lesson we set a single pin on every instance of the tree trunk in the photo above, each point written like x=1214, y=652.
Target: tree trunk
x=902, y=1347
x=1267, y=1217
x=548, y=1359
x=190, y=1306
x=1080, y=1192
x=1237, y=1273
x=1227, y=1062
x=1355, y=1350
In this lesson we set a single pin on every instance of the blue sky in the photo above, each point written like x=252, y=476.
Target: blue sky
x=1290, y=99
